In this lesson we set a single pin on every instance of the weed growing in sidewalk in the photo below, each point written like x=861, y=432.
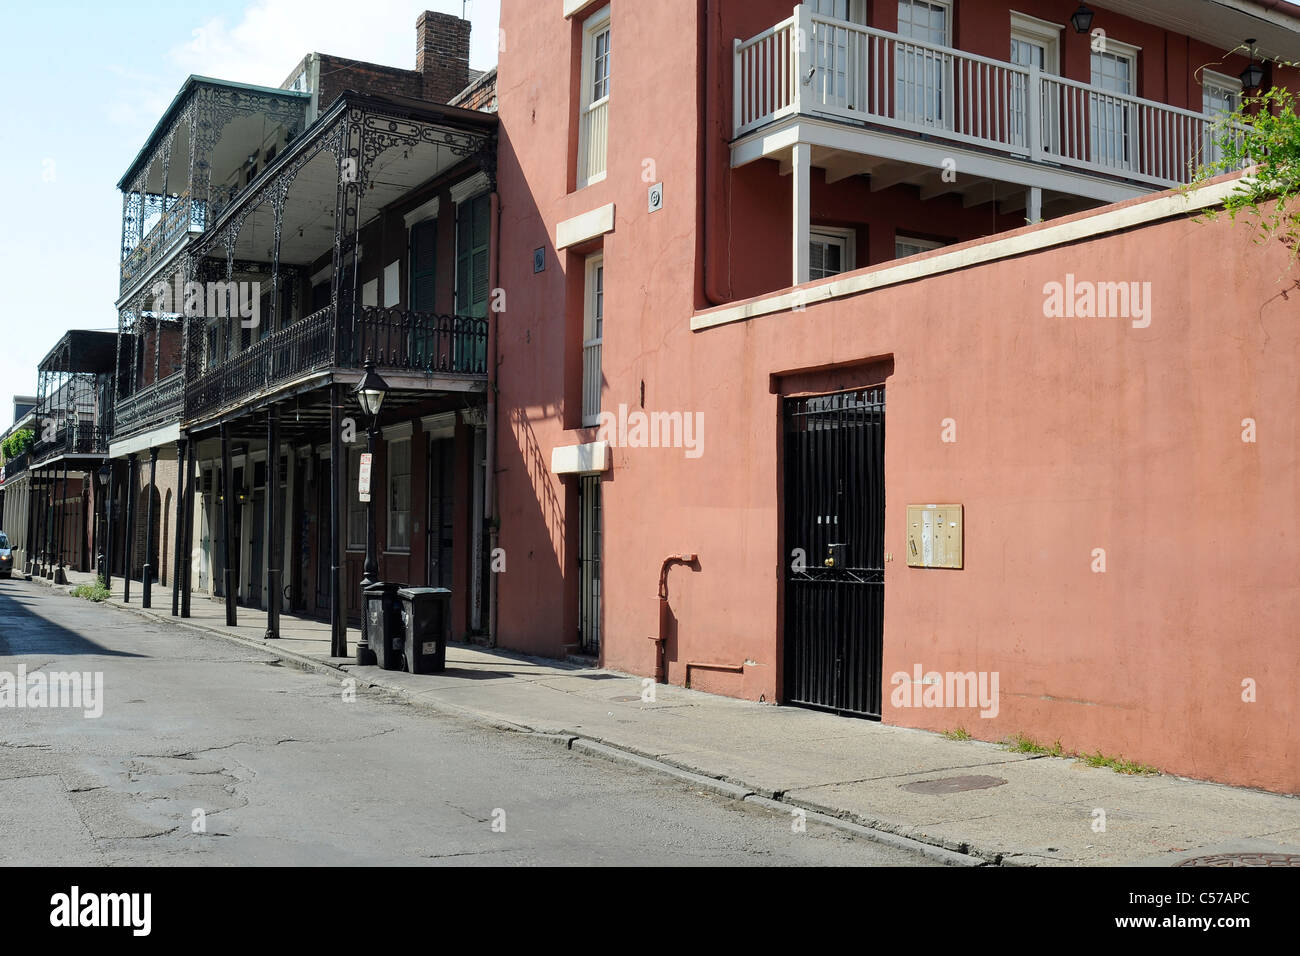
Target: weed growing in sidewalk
x=1024, y=744
x=92, y=592
x=1118, y=764
x=961, y=733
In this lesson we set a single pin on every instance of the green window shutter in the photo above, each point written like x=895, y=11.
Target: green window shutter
x=424, y=265
x=472, y=257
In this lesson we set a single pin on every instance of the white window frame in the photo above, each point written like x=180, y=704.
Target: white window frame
x=922, y=245
x=1045, y=34
x=593, y=337
x=948, y=102
x=390, y=475
x=846, y=239
x=1231, y=84
x=588, y=107
x=1127, y=51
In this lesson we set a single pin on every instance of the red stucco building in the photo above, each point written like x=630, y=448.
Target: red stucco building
x=738, y=246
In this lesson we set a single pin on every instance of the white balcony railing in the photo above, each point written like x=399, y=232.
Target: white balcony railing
x=813, y=65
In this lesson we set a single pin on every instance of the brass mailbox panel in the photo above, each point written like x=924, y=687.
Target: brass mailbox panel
x=934, y=536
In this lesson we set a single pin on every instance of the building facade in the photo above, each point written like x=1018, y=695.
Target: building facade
x=277, y=241
x=736, y=246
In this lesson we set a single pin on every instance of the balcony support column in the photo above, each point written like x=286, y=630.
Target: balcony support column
x=108, y=527
x=129, y=542
x=338, y=614
x=187, y=567
x=228, y=504
x=1034, y=204
x=59, y=576
x=148, y=570
x=179, y=525
x=801, y=227
x=29, y=555
x=273, y=573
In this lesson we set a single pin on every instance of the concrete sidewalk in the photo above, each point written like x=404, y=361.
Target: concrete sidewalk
x=1024, y=810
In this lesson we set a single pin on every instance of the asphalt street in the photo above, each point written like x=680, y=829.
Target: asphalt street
x=209, y=754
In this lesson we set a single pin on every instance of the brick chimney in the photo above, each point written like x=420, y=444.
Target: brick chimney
x=442, y=54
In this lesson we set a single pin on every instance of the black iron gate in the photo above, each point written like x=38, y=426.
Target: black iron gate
x=835, y=542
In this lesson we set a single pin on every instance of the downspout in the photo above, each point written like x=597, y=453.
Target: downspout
x=710, y=185
x=661, y=640
x=489, y=480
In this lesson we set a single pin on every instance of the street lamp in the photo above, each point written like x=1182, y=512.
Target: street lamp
x=370, y=393
x=1082, y=19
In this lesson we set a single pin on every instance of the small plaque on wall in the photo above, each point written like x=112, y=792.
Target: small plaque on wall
x=934, y=536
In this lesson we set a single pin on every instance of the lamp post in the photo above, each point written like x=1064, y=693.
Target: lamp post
x=370, y=393
x=101, y=559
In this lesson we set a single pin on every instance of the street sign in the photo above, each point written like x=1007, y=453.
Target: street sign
x=363, y=479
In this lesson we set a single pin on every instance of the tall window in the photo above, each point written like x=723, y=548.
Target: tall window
x=924, y=76
x=1220, y=98
x=356, y=507
x=424, y=265
x=472, y=228
x=593, y=336
x=1034, y=43
x=589, y=550
x=399, y=495
x=1111, y=118
x=905, y=246
x=593, y=123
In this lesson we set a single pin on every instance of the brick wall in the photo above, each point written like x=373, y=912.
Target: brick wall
x=441, y=66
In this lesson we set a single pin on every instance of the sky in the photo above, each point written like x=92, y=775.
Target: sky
x=88, y=82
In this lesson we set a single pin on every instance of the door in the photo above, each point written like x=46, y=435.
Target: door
x=923, y=76
x=256, y=553
x=1110, y=117
x=438, y=527
x=589, y=547
x=323, y=525
x=1033, y=46
x=834, y=551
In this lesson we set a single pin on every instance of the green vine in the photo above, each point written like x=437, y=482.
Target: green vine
x=1263, y=137
x=18, y=443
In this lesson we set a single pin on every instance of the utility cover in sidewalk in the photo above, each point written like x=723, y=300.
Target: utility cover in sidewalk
x=1244, y=859
x=953, y=784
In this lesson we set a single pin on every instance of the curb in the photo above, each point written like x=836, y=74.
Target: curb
x=877, y=831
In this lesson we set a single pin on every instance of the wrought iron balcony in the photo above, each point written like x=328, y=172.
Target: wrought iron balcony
x=415, y=343
x=72, y=438
x=156, y=404
x=186, y=216
x=815, y=66
x=17, y=465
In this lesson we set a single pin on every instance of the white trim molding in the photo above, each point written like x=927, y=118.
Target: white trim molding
x=589, y=459
x=400, y=430
x=441, y=425
x=420, y=213
x=573, y=7
x=589, y=225
x=469, y=188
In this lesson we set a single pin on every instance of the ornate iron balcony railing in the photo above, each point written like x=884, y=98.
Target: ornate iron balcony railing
x=301, y=348
x=75, y=438
x=186, y=216
x=156, y=404
x=420, y=342
x=17, y=465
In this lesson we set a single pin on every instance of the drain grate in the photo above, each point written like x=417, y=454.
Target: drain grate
x=953, y=784
x=1244, y=859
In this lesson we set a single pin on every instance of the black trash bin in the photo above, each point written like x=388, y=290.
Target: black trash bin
x=381, y=627
x=426, y=616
